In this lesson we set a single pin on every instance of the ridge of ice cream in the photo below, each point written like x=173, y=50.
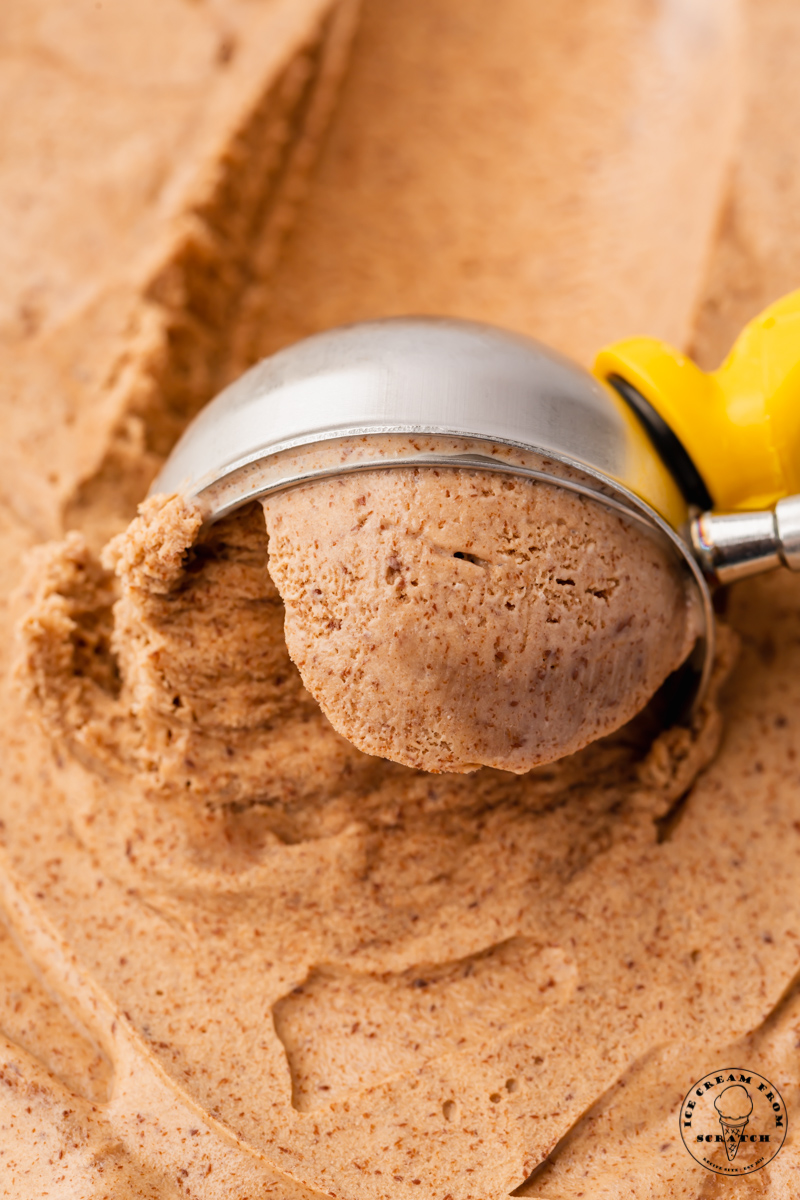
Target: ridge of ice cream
x=152, y=157
x=447, y=619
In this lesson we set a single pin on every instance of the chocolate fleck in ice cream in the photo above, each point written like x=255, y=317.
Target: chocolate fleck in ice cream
x=448, y=619
x=238, y=955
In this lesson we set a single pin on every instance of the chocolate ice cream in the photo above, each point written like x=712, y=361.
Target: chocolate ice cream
x=452, y=619
x=243, y=957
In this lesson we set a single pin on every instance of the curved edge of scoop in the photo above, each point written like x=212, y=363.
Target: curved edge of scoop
x=419, y=375
x=459, y=387
x=324, y=460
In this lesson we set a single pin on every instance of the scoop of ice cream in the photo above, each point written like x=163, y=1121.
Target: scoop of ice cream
x=448, y=619
x=734, y=1103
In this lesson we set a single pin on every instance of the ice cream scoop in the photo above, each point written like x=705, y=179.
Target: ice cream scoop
x=427, y=395
x=448, y=619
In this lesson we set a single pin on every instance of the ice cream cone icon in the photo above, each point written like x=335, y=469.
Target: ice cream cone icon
x=734, y=1106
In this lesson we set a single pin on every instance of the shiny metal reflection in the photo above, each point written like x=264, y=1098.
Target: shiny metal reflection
x=431, y=392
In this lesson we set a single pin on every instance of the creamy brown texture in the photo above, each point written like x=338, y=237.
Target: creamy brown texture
x=556, y=174
x=326, y=926
x=186, y=683
x=151, y=164
x=599, y=931
x=453, y=619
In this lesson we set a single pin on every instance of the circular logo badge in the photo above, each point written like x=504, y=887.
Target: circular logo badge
x=733, y=1121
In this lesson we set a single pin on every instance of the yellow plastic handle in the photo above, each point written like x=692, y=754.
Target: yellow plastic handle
x=740, y=424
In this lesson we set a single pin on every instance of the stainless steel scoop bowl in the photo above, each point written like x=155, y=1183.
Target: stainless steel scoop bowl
x=433, y=392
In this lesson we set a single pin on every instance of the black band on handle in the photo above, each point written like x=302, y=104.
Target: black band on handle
x=670, y=449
